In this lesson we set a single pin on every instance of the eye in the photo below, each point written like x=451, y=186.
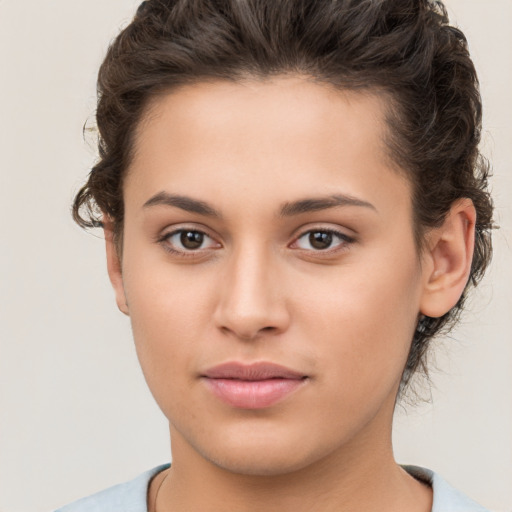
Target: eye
x=322, y=240
x=187, y=240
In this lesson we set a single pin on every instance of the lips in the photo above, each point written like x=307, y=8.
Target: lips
x=255, y=371
x=254, y=386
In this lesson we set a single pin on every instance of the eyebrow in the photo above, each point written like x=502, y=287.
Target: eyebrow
x=322, y=203
x=184, y=203
x=288, y=209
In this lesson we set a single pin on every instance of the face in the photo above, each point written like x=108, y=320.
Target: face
x=264, y=223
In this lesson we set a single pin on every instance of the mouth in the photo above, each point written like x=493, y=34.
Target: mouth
x=253, y=386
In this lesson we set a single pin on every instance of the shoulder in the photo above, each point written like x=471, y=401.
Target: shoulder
x=126, y=497
x=446, y=498
x=132, y=496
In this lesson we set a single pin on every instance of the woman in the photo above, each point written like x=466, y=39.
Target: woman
x=294, y=205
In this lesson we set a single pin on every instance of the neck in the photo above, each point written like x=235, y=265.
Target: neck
x=362, y=476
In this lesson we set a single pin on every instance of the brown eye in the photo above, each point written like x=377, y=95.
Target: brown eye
x=188, y=240
x=191, y=239
x=320, y=240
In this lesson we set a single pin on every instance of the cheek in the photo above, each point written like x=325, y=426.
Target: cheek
x=364, y=326
x=168, y=311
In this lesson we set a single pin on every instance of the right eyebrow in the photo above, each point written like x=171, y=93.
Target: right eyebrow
x=184, y=203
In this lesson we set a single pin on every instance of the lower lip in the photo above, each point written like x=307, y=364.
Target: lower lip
x=255, y=394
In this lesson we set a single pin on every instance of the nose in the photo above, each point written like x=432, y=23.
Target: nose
x=252, y=299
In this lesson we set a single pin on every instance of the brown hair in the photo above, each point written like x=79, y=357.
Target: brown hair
x=403, y=48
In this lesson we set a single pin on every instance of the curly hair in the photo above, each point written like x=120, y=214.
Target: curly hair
x=405, y=49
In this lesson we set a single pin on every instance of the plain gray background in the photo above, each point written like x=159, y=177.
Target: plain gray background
x=75, y=414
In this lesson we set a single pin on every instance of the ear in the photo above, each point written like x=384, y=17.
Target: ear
x=447, y=259
x=114, y=266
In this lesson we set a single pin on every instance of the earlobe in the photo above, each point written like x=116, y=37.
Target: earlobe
x=447, y=259
x=114, y=267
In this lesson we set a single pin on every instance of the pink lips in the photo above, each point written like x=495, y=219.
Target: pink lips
x=252, y=386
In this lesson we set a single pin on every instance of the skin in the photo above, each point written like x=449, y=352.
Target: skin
x=257, y=290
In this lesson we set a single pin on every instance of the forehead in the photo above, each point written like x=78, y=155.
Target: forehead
x=284, y=136
x=283, y=107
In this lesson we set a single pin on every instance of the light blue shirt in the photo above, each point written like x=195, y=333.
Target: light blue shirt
x=132, y=496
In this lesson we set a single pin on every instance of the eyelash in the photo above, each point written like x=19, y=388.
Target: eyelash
x=344, y=239
x=164, y=241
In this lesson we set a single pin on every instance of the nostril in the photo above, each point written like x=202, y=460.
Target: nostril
x=248, y=334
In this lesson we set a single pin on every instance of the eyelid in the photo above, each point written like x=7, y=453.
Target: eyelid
x=346, y=239
x=163, y=239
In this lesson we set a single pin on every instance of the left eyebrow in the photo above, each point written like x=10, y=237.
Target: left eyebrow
x=322, y=203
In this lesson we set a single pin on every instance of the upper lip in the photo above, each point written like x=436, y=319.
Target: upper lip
x=254, y=371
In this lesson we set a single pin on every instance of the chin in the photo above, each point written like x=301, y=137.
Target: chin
x=264, y=453
x=262, y=463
